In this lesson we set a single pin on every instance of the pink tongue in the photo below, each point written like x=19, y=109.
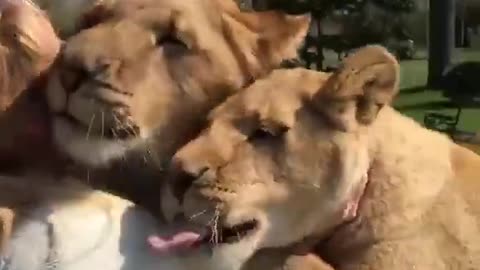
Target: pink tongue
x=181, y=241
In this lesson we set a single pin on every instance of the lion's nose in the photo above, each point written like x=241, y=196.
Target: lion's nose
x=71, y=78
x=183, y=175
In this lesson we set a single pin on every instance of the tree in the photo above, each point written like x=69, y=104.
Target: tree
x=318, y=8
x=359, y=29
x=397, y=6
x=321, y=8
x=441, y=39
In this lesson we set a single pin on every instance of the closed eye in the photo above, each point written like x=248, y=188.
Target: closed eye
x=171, y=40
x=260, y=134
x=271, y=132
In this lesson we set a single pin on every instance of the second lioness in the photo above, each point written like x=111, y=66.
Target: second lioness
x=323, y=155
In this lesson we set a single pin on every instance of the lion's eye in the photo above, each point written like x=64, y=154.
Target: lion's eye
x=268, y=132
x=72, y=77
x=260, y=134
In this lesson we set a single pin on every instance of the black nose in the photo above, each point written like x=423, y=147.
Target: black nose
x=181, y=182
x=181, y=179
x=72, y=76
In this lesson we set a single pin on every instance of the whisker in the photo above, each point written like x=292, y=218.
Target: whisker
x=103, y=124
x=148, y=156
x=132, y=129
x=114, y=133
x=115, y=118
x=215, y=235
x=90, y=125
x=197, y=214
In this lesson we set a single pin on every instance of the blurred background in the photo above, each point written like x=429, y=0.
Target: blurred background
x=436, y=41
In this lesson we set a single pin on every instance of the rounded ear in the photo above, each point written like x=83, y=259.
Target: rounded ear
x=366, y=81
x=262, y=40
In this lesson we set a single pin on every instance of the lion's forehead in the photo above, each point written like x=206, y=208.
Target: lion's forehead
x=276, y=97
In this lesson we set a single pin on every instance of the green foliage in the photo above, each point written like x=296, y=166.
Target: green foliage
x=398, y=6
x=321, y=8
x=361, y=25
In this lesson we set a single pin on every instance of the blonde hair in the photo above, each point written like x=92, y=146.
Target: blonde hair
x=25, y=50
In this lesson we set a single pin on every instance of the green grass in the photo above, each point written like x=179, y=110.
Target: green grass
x=415, y=100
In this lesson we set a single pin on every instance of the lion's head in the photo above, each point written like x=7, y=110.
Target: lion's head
x=147, y=71
x=285, y=158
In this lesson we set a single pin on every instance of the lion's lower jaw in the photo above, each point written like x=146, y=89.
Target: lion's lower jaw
x=91, y=151
x=233, y=257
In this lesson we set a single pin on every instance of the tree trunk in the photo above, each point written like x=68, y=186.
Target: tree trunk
x=442, y=39
x=246, y=4
x=319, y=46
x=259, y=4
x=459, y=32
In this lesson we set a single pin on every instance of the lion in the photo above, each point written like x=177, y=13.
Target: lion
x=120, y=109
x=302, y=155
x=75, y=227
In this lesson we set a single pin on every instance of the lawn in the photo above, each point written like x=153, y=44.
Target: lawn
x=414, y=99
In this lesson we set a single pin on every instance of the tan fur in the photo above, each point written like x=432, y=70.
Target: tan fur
x=136, y=99
x=26, y=197
x=21, y=195
x=7, y=216
x=282, y=259
x=317, y=155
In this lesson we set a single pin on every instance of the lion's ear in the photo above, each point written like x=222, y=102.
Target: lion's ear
x=264, y=39
x=355, y=93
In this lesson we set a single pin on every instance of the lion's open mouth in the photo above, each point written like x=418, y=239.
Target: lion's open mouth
x=188, y=240
x=230, y=235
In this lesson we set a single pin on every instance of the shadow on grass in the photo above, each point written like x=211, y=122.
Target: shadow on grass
x=430, y=105
x=412, y=90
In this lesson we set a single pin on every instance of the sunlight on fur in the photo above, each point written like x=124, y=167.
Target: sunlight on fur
x=112, y=97
x=304, y=154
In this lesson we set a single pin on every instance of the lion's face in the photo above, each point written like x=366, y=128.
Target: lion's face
x=151, y=69
x=286, y=158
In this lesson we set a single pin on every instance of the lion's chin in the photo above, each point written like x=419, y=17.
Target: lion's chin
x=89, y=150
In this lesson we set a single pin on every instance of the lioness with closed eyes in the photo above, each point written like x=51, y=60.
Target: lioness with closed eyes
x=135, y=85
x=124, y=105
x=303, y=154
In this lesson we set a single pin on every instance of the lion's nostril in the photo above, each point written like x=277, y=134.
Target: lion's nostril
x=183, y=178
x=71, y=78
x=181, y=183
